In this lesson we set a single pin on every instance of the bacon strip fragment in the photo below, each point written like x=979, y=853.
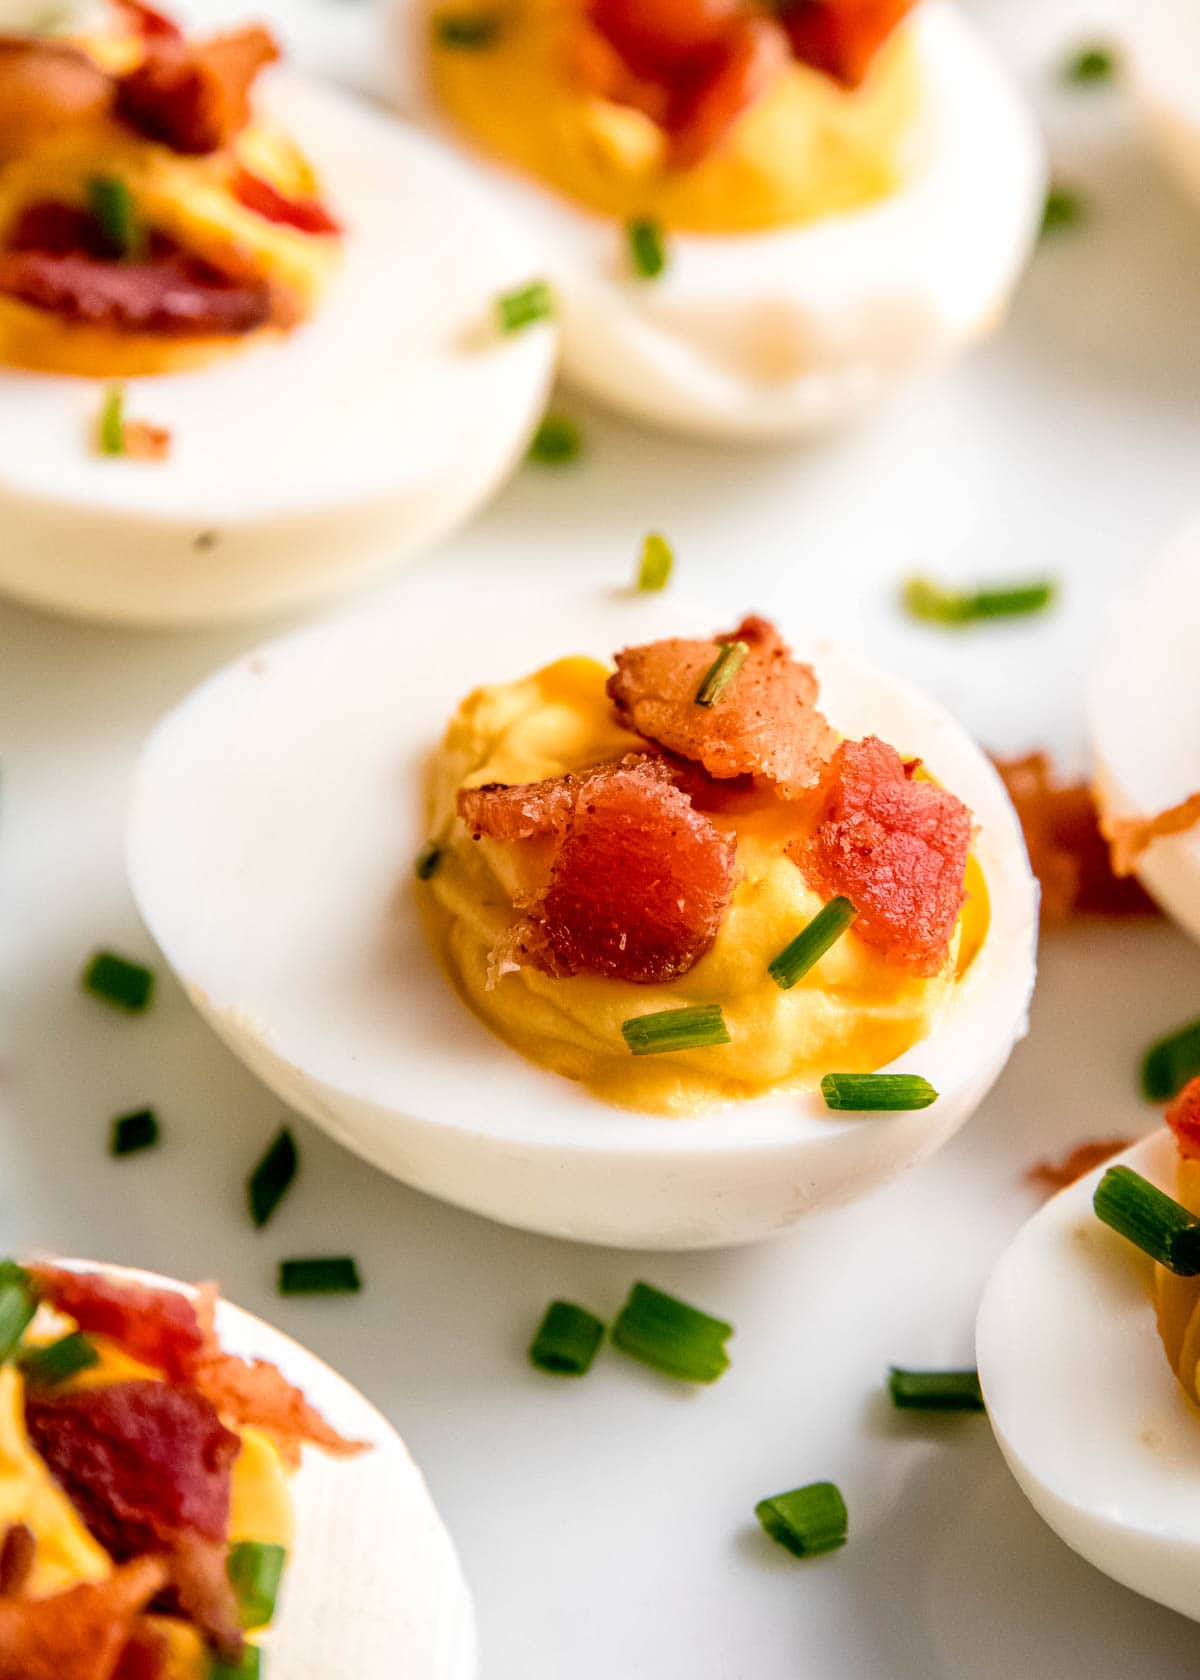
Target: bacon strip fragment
x=308, y=215
x=194, y=96
x=1131, y=837
x=1183, y=1117
x=1052, y=1176
x=175, y=295
x=255, y=1392
x=79, y=1634
x=842, y=37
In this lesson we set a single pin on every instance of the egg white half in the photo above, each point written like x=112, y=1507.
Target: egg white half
x=794, y=332
x=1145, y=724
x=306, y=466
x=1086, y=1409
x=1163, y=41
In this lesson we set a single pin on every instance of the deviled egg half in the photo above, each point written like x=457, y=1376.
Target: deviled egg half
x=758, y=218
x=471, y=1014
x=185, y=1493
x=1163, y=41
x=250, y=346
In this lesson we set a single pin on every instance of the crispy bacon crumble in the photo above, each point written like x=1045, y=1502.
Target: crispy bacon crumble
x=1131, y=837
x=1183, y=1117
x=1052, y=1176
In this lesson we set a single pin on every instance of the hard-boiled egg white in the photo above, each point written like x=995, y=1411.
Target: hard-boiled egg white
x=1144, y=725
x=276, y=817
x=1163, y=40
x=304, y=466
x=1085, y=1406
x=794, y=331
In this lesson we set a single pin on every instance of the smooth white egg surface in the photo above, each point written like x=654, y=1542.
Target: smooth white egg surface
x=1085, y=1406
x=790, y=333
x=1145, y=727
x=276, y=817
x=301, y=467
x=1163, y=40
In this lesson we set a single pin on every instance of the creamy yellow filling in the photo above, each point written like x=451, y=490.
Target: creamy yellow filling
x=1177, y=1299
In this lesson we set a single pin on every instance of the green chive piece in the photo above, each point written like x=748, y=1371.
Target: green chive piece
x=1090, y=64
x=124, y=984
x=721, y=672
x=1150, y=1219
x=522, y=308
x=255, y=1570
x=466, y=31
x=110, y=432
x=647, y=250
x=922, y=598
x=131, y=1132
x=272, y=1178
x=1171, y=1062
x=808, y=1521
x=110, y=204
x=811, y=943
x=319, y=1275
x=657, y=560
x=428, y=859
x=556, y=442
x=675, y=1029
x=46, y=1367
x=935, y=1391
x=246, y=1667
x=18, y=1304
x=1064, y=208
x=876, y=1092
x=567, y=1340
x=666, y=1333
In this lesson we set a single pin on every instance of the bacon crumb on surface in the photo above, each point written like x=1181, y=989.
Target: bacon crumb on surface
x=1183, y=1117
x=1052, y=1176
x=1131, y=837
x=79, y=1634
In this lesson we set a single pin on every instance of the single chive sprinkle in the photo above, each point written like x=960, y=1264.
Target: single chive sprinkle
x=110, y=204
x=131, y=1132
x=1150, y=1219
x=18, y=1304
x=695, y=1028
x=935, y=1391
x=126, y=985
x=46, y=1367
x=255, y=1570
x=811, y=943
x=876, y=1092
x=467, y=31
x=666, y=1333
x=567, y=1340
x=721, y=672
x=522, y=308
x=647, y=252
x=657, y=559
x=932, y=603
x=428, y=859
x=319, y=1275
x=1091, y=64
x=111, y=429
x=556, y=442
x=246, y=1667
x=1064, y=208
x=808, y=1521
x=272, y=1178
x=1171, y=1062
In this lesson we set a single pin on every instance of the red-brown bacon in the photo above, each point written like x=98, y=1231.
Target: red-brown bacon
x=1183, y=1117
x=174, y=295
x=194, y=96
x=307, y=215
x=842, y=37
x=79, y=1634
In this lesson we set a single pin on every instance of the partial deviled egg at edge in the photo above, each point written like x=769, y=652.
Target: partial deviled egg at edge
x=1163, y=42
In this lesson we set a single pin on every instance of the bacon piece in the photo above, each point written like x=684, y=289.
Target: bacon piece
x=1183, y=1117
x=1130, y=837
x=764, y=724
x=174, y=295
x=79, y=1634
x=194, y=96
x=44, y=86
x=520, y=810
x=308, y=215
x=741, y=71
x=144, y=441
x=145, y=1656
x=895, y=847
x=202, y=1592
x=256, y=1393
x=842, y=37
x=1052, y=1176
x=16, y=1558
x=148, y=21
x=159, y=1327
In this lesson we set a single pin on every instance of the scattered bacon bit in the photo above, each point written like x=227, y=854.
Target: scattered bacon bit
x=145, y=441
x=145, y=1657
x=765, y=724
x=1052, y=1176
x=520, y=810
x=79, y=1634
x=1183, y=1117
x=842, y=37
x=255, y=1392
x=16, y=1558
x=159, y=1327
x=148, y=21
x=47, y=85
x=895, y=847
x=194, y=96
x=747, y=63
x=202, y=1591
x=308, y=215
x=1130, y=837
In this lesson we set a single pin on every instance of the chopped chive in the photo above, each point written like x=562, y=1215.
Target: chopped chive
x=721, y=672
x=556, y=442
x=428, y=859
x=808, y=1521
x=110, y=204
x=319, y=1275
x=932, y=603
x=811, y=943
x=126, y=985
x=647, y=251
x=18, y=1304
x=255, y=1570
x=876, y=1092
x=523, y=307
x=567, y=1340
x=248, y=1666
x=1064, y=208
x=664, y=1332
x=1171, y=1062
x=110, y=431
x=466, y=31
x=131, y=1132
x=1091, y=64
x=46, y=1367
x=935, y=1391
x=1150, y=1219
x=675, y=1029
x=272, y=1178
x=657, y=559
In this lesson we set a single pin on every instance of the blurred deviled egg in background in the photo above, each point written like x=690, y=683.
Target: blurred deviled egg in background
x=1163, y=43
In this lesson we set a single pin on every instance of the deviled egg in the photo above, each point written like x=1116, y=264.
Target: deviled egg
x=292, y=296
x=279, y=850
x=1163, y=39
x=758, y=219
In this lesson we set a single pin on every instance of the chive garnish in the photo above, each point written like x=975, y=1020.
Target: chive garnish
x=556, y=442
x=679, y=1340
x=428, y=859
x=1171, y=1062
x=46, y=1367
x=523, y=307
x=1064, y=208
x=811, y=943
x=932, y=603
x=255, y=1570
x=1091, y=64
x=110, y=432
x=466, y=31
x=567, y=1340
x=647, y=251
x=272, y=1178
x=247, y=1666
x=132, y=1132
x=935, y=1391
x=721, y=672
x=695, y=1028
x=1150, y=1219
x=110, y=204
x=808, y=1521
x=18, y=1304
x=657, y=559
x=319, y=1275
x=876, y=1092
x=126, y=985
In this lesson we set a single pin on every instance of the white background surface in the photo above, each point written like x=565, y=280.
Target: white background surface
x=607, y=1526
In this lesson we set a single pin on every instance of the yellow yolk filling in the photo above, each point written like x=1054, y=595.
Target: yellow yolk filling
x=1177, y=1299
x=854, y=1011
x=807, y=148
